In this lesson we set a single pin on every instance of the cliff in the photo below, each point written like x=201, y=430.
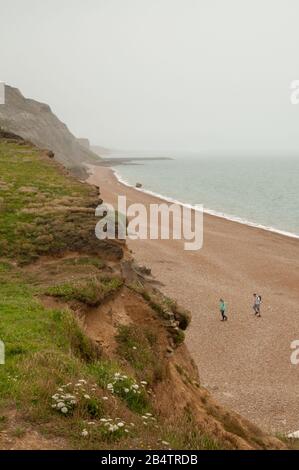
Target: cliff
x=36, y=122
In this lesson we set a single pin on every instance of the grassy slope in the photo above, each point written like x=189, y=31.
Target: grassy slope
x=45, y=348
x=43, y=211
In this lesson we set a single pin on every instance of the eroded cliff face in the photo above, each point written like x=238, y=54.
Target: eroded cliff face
x=36, y=122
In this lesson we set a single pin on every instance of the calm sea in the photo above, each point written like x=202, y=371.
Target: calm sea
x=259, y=191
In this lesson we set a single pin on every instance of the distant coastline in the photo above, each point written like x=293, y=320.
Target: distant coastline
x=116, y=161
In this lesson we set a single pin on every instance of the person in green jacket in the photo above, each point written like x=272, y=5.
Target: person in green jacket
x=222, y=307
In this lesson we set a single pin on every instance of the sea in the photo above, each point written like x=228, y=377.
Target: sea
x=257, y=191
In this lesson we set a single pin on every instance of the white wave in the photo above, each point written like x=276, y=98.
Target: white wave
x=212, y=212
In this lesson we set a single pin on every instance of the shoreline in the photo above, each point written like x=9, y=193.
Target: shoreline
x=211, y=212
x=246, y=362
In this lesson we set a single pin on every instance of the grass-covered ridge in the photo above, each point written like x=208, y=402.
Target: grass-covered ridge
x=90, y=291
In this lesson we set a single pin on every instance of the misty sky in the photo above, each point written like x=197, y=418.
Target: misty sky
x=209, y=76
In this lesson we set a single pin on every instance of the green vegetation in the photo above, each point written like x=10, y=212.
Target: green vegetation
x=178, y=336
x=122, y=385
x=41, y=209
x=84, y=261
x=4, y=267
x=189, y=436
x=138, y=346
x=45, y=350
x=89, y=291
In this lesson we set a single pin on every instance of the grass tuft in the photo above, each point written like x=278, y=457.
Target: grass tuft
x=89, y=291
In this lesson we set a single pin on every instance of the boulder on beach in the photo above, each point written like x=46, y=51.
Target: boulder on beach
x=138, y=185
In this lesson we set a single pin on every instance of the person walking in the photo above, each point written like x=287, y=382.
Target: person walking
x=223, y=308
x=257, y=305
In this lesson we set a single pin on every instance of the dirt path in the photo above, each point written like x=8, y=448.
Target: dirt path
x=245, y=362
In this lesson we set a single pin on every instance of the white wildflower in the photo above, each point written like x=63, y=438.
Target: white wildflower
x=64, y=410
x=84, y=433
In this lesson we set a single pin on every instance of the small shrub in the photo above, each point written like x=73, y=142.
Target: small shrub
x=15, y=351
x=178, y=336
x=183, y=316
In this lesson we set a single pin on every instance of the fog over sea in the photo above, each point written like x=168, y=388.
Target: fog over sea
x=258, y=190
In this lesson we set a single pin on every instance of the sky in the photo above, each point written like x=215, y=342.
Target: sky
x=203, y=76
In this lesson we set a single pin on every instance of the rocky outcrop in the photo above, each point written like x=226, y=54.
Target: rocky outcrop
x=37, y=123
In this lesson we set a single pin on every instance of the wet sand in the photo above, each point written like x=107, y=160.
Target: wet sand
x=244, y=362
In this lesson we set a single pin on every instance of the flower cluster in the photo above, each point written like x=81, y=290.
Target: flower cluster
x=148, y=419
x=11, y=378
x=122, y=384
x=111, y=428
x=64, y=401
x=114, y=426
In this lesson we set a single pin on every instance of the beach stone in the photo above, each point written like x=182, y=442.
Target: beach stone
x=138, y=185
